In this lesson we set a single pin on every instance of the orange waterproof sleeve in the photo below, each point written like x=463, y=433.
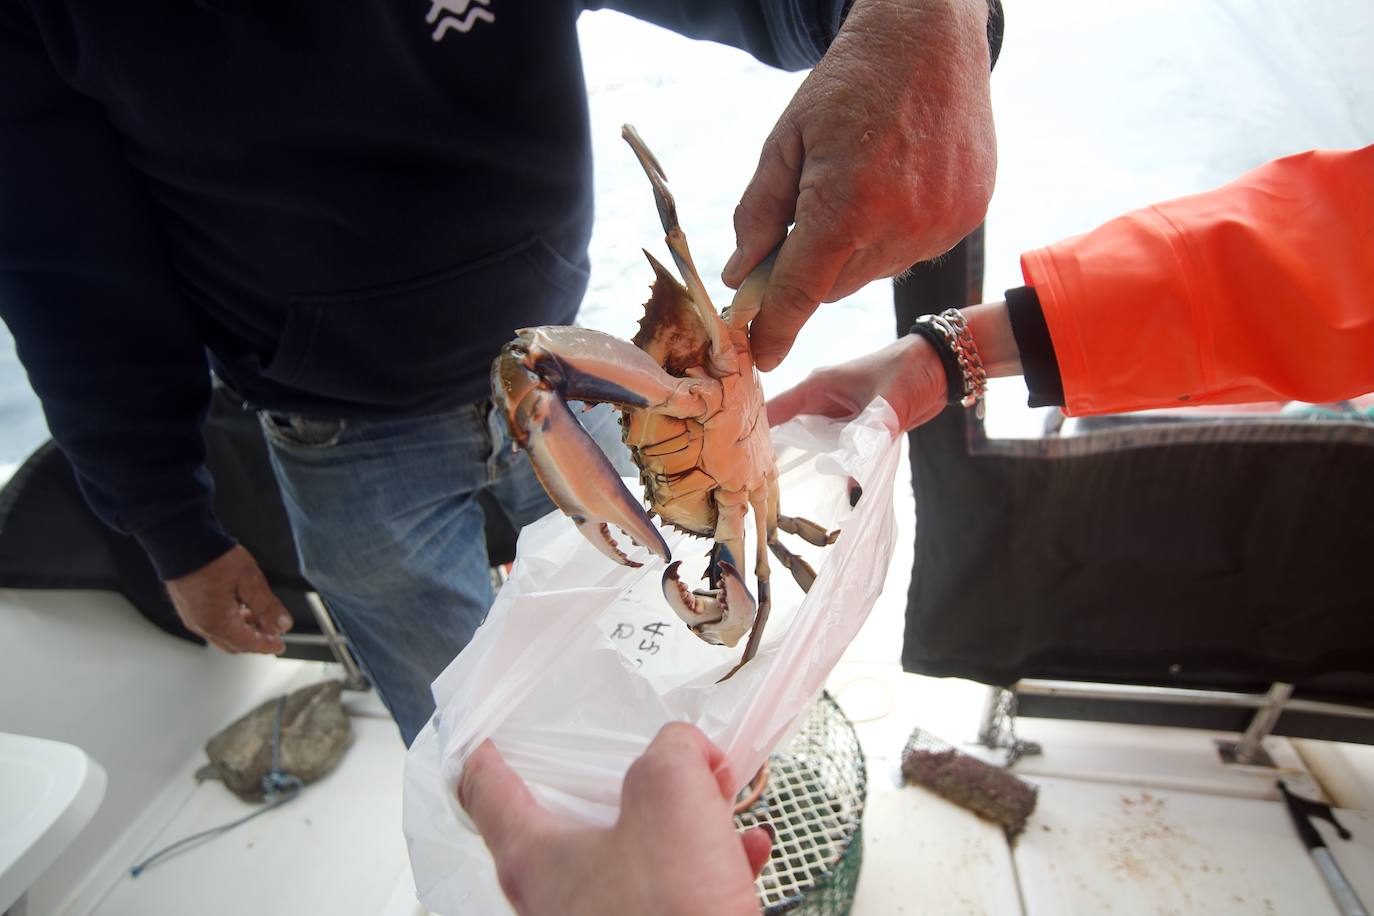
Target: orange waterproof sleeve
x=1260, y=290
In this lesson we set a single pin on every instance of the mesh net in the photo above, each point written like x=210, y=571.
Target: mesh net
x=814, y=802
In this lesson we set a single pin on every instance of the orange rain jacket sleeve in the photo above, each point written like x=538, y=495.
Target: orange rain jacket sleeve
x=1260, y=290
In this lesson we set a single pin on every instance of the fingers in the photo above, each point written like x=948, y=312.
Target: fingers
x=229, y=603
x=768, y=204
x=250, y=619
x=816, y=395
x=233, y=630
x=499, y=802
x=265, y=612
x=807, y=265
x=758, y=844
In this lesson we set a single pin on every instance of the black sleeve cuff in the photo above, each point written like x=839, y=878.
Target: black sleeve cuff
x=996, y=23
x=184, y=543
x=1039, y=365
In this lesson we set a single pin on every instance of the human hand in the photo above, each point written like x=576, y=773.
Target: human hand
x=229, y=603
x=885, y=156
x=674, y=849
x=907, y=373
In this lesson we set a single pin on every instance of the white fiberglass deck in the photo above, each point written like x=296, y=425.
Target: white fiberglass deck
x=1141, y=820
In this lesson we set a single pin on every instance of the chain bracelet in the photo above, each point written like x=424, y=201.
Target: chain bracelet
x=954, y=329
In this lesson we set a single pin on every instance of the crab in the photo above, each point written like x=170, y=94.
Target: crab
x=692, y=415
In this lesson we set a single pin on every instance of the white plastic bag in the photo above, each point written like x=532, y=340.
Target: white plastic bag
x=580, y=661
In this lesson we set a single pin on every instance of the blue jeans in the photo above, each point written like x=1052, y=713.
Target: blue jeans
x=390, y=533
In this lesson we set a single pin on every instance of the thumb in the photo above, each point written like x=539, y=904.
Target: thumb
x=498, y=801
x=768, y=204
x=758, y=845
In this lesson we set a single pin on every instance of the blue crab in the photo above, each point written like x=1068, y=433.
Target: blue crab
x=692, y=415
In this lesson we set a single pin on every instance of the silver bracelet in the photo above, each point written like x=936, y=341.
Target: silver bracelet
x=953, y=329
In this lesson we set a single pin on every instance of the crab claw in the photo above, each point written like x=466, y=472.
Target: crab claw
x=719, y=616
x=573, y=470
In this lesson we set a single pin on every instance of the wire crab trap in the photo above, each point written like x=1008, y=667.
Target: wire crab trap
x=814, y=801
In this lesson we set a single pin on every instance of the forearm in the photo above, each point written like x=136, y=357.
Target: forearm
x=990, y=325
x=99, y=320
x=125, y=404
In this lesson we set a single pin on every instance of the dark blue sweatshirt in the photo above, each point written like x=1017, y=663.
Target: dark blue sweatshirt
x=343, y=208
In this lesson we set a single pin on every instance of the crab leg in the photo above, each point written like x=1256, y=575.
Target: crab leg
x=767, y=535
x=807, y=530
x=801, y=570
x=748, y=300
x=724, y=613
x=722, y=354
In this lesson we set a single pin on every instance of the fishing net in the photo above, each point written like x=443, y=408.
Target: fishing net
x=814, y=801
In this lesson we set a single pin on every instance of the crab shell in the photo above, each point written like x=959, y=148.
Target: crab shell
x=685, y=462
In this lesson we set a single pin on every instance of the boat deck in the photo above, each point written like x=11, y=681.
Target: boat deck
x=1131, y=819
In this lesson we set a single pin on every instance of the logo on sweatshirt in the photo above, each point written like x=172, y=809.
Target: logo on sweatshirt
x=457, y=14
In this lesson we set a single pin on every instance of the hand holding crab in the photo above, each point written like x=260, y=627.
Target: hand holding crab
x=885, y=156
x=692, y=414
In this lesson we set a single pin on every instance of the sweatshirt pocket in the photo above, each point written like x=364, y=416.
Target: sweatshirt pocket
x=423, y=341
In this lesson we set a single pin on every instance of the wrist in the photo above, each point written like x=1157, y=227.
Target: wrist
x=919, y=361
x=949, y=24
x=990, y=325
x=924, y=389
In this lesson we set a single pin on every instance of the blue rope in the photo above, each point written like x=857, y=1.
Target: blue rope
x=278, y=789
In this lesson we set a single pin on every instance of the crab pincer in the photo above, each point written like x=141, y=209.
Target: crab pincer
x=720, y=615
x=573, y=470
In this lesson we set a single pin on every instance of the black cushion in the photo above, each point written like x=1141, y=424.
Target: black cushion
x=1223, y=553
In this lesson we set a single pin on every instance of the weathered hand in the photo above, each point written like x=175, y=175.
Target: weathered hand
x=229, y=603
x=906, y=373
x=885, y=156
x=674, y=849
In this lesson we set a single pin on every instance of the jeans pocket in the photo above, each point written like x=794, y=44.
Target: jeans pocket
x=296, y=431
